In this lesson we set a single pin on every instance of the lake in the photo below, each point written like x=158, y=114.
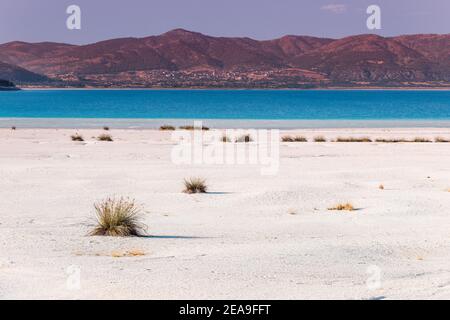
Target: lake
x=358, y=105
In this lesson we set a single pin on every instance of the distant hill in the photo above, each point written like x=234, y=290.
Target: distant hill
x=20, y=75
x=7, y=85
x=182, y=58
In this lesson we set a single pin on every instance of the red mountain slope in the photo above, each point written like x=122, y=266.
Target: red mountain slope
x=181, y=57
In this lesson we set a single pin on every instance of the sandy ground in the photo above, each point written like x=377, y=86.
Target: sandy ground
x=251, y=237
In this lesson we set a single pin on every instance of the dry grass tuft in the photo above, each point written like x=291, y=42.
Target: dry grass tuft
x=105, y=137
x=300, y=139
x=130, y=253
x=320, y=139
x=244, y=138
x=118, y=218
x=167, y=128
x=287, y=139
x=395, y=140
x=421, y=140
x=353, y=139
x=190, y=128
x=225, y=138
x=381, y=187
x=195, y=185
x=343, y=207
x=293, y=139
x=441, y=140
x=77, y=137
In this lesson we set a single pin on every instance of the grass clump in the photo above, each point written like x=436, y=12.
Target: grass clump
x=128, y=253
x=399, y=140
x=353, y=139
x=105, y=137
x=421, y=140
x=320, y=139
x=167, y=128
x=300, y=139
x=441, y=140
x=294, y=139
x=195, y=185
x=225, y=138
x=77, y=137
x=118, y=218
x=190, y=128
x=342, y=207
x=244, y=138
x=187, y=127
x=395, y=140
x=287, y=139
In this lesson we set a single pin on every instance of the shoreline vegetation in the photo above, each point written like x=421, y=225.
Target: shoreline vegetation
x=126, y=208
x=285, y=138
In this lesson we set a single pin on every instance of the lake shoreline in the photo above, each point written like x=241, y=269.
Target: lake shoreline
x=444, y=88
x=151, y=124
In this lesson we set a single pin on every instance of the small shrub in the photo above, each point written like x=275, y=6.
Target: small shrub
x=421, y=140
x=287, y=139
x=441, y=140
x=167, y=128
x=194, y=185
x=105, y=137
x=106, y=128
x=300, y=139
x=294, y=139
x=13, y=128
x=381, y=187
x=343, y=207
x=194, y=128
x=118, y=218
x=395, y=140
x=320, y=139
x=353, y=139
x=225, y=138
x=244, y=138
x=77, y=137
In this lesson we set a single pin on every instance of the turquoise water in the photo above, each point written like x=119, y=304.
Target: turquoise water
x=227, y=104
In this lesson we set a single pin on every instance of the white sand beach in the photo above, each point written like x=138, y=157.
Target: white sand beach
x=251, y=237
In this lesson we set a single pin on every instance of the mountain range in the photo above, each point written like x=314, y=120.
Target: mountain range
x=181, y=58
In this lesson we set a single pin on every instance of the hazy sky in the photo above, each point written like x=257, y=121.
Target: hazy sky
x=45, y=20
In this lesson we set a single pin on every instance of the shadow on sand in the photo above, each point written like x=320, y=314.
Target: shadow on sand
x=218, y=193
x=171, y=237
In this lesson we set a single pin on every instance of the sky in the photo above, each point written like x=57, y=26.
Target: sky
x=45, y=20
